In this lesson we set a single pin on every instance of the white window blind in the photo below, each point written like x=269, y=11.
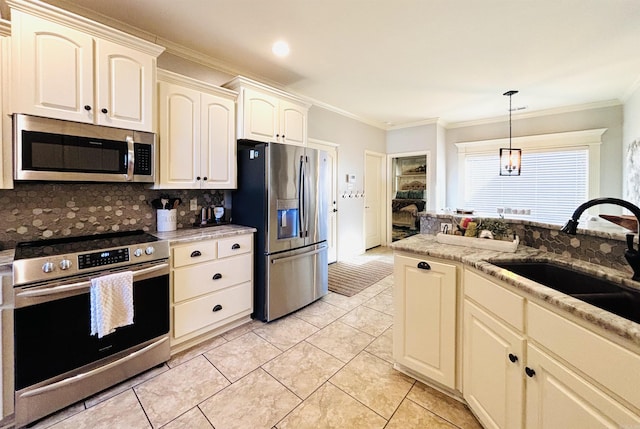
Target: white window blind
x=552, y=184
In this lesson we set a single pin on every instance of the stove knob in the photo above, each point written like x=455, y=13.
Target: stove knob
x=48, y=267
x=137, y=253
x=149, y=250
x=65, y=264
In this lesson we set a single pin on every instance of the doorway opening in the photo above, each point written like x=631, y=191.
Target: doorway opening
x=409, y=193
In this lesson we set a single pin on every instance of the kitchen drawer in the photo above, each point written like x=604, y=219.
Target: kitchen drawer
x=194, y=253
x=607, y=363
x=235, y=245
x=195, y=280
x=495, y=298
x=198, y=313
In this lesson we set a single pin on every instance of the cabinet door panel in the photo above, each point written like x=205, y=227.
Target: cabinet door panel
x=179, y=136
x=124, y=78
x=53, y=70
x=559, y=398
x=425, y=320
x=293, y=123
x=492, y=384
x=218, y=146
x=261, y=116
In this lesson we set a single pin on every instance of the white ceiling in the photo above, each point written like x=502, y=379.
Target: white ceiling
x=402, y=61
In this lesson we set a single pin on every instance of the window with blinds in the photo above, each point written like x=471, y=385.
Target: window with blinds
x=552, y=184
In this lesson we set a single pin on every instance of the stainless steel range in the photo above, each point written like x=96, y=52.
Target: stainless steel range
x=57, y=360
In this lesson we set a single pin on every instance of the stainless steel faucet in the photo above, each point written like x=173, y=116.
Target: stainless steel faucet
x=631, y=254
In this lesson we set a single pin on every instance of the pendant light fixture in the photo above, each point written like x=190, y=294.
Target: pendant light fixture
x=510, y=159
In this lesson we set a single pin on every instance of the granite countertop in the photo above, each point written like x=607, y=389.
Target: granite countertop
x=480, y=259
x=204, y=233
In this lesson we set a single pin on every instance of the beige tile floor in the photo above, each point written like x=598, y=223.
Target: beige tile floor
x=325, y=366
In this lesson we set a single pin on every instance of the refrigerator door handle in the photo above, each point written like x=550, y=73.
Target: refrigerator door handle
x=301, y=191
x=301, y=255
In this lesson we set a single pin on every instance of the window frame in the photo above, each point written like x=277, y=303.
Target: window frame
x=589, y=139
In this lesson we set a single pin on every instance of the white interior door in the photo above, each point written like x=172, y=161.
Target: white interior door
x=373, y=197
x=332, y=232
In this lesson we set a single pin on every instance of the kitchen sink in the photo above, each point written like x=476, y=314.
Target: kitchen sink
x=604, y=294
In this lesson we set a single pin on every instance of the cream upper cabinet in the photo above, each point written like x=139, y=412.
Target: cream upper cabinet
x=66, y=67
x=424, y=326
x=6, y=140
x=269, y=115
x=196, y=134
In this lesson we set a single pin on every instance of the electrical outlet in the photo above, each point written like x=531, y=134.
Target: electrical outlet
x=193, y=204
x=446, y=228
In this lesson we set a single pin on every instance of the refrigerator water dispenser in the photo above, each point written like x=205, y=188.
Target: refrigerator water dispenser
x=287, y=219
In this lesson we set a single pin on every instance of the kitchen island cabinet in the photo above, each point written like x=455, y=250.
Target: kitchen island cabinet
x=211, y=288
x=269, y=115
x=424, y=325
x=197, y=134
x=531, y=357
x=541, y=376
x=68, y=67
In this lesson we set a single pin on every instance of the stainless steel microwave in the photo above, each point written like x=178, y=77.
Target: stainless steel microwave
x=55, y=150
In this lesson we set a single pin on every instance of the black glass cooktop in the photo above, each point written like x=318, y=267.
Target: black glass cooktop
x=86, y=243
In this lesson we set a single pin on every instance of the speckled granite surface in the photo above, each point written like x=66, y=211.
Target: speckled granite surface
x=424, y=244
x=206, y=233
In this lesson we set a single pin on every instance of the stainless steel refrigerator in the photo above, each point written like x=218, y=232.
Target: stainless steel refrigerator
x=282, y=192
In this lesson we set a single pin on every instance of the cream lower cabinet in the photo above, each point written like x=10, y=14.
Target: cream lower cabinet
x=196, y=134
x=552, y=374
x=424, y=326
x=212, y=288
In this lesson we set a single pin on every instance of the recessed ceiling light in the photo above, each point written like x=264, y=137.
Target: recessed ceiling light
x=280, y=48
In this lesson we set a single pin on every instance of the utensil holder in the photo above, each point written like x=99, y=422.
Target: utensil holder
x=167, y=219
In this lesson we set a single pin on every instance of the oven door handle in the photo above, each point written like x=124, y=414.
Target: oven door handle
x=80, y=285
x=93, y=372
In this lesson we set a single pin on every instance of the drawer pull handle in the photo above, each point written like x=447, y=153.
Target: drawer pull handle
x=236, y=246
x=196, y=253
x=217, y=276
x=424, y=266
x=530, y=372
x=513, y=358
x=218, y=307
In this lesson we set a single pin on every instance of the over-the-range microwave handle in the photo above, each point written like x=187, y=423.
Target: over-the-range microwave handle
x=131, y=159
x=300, y=255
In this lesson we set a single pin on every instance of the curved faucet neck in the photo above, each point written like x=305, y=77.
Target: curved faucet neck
x=607, y=200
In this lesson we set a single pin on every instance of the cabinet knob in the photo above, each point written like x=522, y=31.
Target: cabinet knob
x=424, y=266
x=530, y=372
x=235, y=246
x=197, y=177
x=105, y=111
x=283, y=136
x=196, y=253
x=217, y=276
x=204, y=178
x=278, y=135
x=87, y=107
x=513, y=358
x=218, y=307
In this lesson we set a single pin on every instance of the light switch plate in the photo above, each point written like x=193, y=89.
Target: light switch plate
x=193, y=204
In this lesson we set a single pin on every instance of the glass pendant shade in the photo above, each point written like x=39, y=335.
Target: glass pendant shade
x=510, y=161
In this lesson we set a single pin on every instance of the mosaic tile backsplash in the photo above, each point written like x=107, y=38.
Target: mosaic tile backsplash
x=35, y=211
x=598, y=248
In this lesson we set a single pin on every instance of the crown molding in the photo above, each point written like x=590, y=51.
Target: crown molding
x=632, y=89
x=420, y=123
x=537, y=113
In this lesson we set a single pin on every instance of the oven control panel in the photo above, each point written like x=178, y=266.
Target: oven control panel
x=70, y=264
x=105, y=257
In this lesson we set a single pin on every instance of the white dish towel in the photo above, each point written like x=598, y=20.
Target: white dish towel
x=111, y=302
